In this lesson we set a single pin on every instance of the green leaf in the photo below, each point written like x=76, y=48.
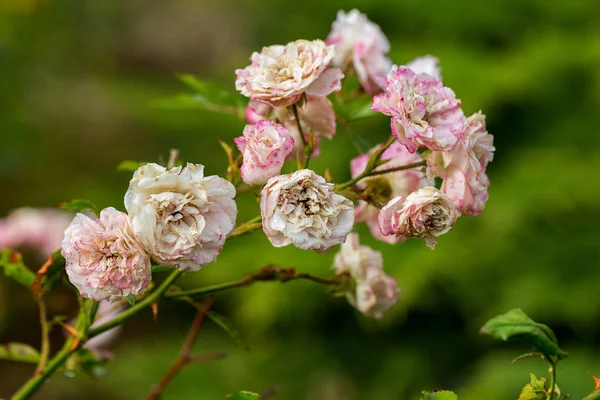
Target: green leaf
x=12, y=263
x=226, y=325
x=515, y=324
x=78, y=205
x=130, y=165
x=131, y=299
x=207, y=96
x=49, y=275
x=439, y=395
x=19, y=352
x=244, y=395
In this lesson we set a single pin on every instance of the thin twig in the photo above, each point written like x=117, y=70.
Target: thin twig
x=266, y=274
x=371, y=165
x=147, y=301
x=306, y=147
x=248, y=226
x=45, y=347
x=185, y=353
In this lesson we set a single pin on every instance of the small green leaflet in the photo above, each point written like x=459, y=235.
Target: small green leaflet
x=130, y=165
x=439, y=395
x=244, y=395
x=19, y=352
x=78, y=205
x=226, y=325
x=206, y=96
x=11, y=262
x=515, y=324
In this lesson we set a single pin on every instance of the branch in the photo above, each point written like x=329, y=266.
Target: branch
x=147, y=301
x=401, y=168
x=248, y=226
x=306, y=147
x=268, y=273
x=185, y=356
x=45, y=347
x=371, y=165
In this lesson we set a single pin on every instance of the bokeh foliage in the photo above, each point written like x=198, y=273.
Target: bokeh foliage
x=77, y=81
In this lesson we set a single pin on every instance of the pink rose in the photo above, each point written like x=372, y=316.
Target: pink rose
x=385, y=187
x=181, y=216
x=264, y=146
x=302, y=209
x=360, y=42
x=39, y=228
x=104, y=260
x=424, y=112
x=374, y=292
x=280, y=75
x=463, y=168
x=426, y=213
x=316, y=115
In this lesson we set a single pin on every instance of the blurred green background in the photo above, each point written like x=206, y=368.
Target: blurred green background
x=77, y=80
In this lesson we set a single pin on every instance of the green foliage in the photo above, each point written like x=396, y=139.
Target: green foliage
x=11, y=262
x=130, y=165
x=515, y=324
x=536, y=390
x=206, y=96
x=131, y=299
x=19, y=352
x=226, y=325
x=78, y=205
x=439, y=395
x=49, y=275
x=244, y=395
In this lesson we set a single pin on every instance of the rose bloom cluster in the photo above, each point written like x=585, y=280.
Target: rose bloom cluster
x=181, y=218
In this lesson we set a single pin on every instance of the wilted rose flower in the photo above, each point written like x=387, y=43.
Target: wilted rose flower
x=302, y=209
x=426, y=65
x=104, y=260
x=463, y=168
x=424, y=112
x=361, y=43
x=374, y=292
x=426, y=213
x=280, y=75
x=264, y=146
x=181, y=217
x=356, y=259
x=382, y=188
x=39, y=228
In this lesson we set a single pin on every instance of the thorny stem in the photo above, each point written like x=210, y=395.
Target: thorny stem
x=307, y=147
x=185, y=356
x=246, y=227
x=371, y=165
x=595, y=395
x=45, y=347
x=552, y=371
x=147, y=301
x=268, y=273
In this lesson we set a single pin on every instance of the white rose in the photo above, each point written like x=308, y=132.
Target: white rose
x=279, y=75
x=302, y=209
x=181, y=217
